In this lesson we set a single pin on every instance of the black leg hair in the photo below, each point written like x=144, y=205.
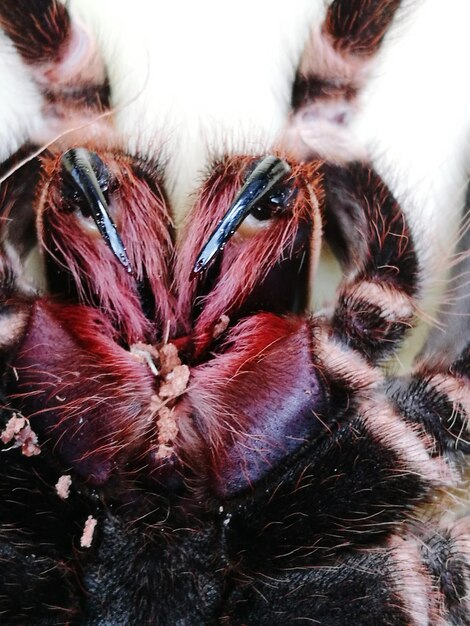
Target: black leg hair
x=40, y=30
x=375, y=304
x=439, y=402
x=411, y=581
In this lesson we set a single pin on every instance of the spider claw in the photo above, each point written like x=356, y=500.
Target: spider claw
x=77, y=163
x=270, y=171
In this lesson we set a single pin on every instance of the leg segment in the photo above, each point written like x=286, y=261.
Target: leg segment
x=39, y=30
x=412, y=582
x=446, y=555
x=64, y=60
x=375, y=304
x=439, y=402
x=358, y=27
x=333, y=70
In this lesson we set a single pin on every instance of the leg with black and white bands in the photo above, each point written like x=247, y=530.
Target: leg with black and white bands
x=335, y=65
x=376, y=302
x=64, y=60
x=419, y=580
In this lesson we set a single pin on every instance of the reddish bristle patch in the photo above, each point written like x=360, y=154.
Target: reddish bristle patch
x=358, y=27
x=246, y=261
x=144, y=224
x=39, y=29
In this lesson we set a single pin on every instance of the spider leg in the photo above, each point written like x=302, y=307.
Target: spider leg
x=334, y=68
x=64, y=60
x=358, y=27
x=413, y=580
x=438, y=401
x=376, y=301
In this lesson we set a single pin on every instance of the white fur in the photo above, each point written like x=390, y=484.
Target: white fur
x=191, y=79
x=19, y=101
x=416, y=119
x=200, y=78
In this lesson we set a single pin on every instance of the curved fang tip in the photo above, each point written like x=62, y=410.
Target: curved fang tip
x=270, y=171
x=77, y=163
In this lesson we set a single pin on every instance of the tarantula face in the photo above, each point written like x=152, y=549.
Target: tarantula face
x=185, y=439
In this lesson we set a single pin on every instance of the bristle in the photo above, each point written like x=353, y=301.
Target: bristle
x=358, y=27
x=39, y=30
x=79, y=255
x=246, y=438
x=245, y=262
x=90, y=399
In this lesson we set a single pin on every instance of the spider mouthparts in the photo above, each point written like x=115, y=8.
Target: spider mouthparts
x=78, y=164
x=269, y=172
x=212, y=248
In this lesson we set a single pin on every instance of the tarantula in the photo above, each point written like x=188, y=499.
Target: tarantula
x=184, y=440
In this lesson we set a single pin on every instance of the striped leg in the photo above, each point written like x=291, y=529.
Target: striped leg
x=63, y=58
x=413, y=581
x=333, y=70
x=375, y=303
x=438, y=401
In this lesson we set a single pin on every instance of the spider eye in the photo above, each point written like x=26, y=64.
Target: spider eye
x=259, y=198
x=88, y=179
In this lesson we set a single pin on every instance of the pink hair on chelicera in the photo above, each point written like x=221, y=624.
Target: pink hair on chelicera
x=142, y=219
